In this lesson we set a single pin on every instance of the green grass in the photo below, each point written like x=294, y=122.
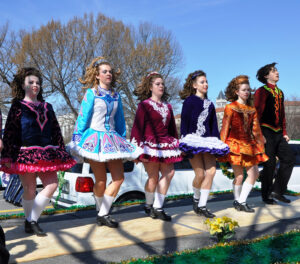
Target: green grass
x=284, y=248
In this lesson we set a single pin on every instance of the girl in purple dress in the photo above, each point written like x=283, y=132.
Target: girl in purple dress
x=154, y=130
x=200, y=138
x=33, y=145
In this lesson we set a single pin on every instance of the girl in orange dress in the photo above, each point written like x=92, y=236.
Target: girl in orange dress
x=241, y=132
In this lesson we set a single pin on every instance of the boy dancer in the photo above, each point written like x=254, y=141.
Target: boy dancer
x=269, y=102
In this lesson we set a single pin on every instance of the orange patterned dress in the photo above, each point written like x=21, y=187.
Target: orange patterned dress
x=241, y=132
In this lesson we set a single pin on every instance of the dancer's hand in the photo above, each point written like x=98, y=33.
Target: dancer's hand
x=144, y=160
x=287, y=138
x=1, y=145
x=265, y=141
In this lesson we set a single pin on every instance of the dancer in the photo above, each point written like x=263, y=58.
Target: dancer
x=200, y=138
x=269, y=103
x=241, y=131
x=154, y=130
x=33, y=145
x=100, y=135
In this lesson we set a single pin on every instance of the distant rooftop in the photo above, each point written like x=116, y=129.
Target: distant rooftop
x=221, y=96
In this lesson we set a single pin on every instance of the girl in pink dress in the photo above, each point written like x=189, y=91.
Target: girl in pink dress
x=154, y=130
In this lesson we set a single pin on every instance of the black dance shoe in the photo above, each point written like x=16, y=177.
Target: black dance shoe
x=28, y=228
x=269, y=201
x=204, y=211
x=37, y=229
x=160, y=214
x=279, y=197
x=107, y=221
x=195, y=205
x=147, y=208
x=235, y=204
x=244, y=207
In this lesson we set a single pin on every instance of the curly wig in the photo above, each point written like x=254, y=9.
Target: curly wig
x=143, y=91
x=263, y=71
x=234, y=85
x=90, y=81
x=18, y=93
x=188, y=88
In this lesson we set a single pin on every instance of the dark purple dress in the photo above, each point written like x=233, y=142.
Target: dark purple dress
x=199, y=128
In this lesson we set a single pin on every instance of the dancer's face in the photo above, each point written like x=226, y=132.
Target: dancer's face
x=273, y=76
x=31, y=86
x=243, y=92
x=201, y=86
x=104, y=76
x=158, y=87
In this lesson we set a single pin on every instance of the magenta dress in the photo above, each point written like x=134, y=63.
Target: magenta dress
x=154, y=130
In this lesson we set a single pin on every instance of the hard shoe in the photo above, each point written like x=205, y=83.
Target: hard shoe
x=244, y=207
x=147, y=208
x=195, y=205
x=160, y=214
x=204, y=211
x=37, y=229
x=107, y=221
x=28, y=228
x=269, y=201
x=235, y=204
x=279, y=197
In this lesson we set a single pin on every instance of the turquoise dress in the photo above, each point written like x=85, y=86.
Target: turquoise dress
x=100, y=129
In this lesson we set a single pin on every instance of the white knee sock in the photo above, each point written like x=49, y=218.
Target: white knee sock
x=236, y=191
x=196, y=193
x=106, y=205
x=40, y=202
x=203, y=197
x=246, y=189
x=98, y=202
x=27, y=206
x=149, y=197
x=158, y=200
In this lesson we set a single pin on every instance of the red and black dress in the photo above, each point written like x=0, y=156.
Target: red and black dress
x=32, y=140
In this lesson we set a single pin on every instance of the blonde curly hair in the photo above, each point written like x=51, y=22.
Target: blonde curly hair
x=143, y=91
x=234, y=85
x=92, y=70
x=188, y=88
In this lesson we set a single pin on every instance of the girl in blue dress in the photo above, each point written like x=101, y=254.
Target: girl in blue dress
x=100, y=135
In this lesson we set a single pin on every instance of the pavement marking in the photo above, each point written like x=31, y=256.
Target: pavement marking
x=20, y=209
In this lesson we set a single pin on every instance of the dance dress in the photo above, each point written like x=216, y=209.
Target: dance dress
x=100, y=129
x=241, y=132
x=154, y=130
x=199, y=128
x=32, y=140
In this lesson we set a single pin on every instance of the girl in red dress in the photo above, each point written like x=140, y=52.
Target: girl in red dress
x=154, y=130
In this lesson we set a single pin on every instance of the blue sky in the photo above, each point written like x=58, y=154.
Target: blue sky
x=224, y=38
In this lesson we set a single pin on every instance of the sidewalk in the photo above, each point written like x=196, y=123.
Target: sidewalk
x=83, y=235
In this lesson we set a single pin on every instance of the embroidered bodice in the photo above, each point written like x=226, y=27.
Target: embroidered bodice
x=30, y=124
x=101, y=111
x=240, y=122
x=198, y=117
x=153, y=121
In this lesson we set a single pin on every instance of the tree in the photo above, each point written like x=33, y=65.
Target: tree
x=7, y=67
x=62, y=53
x=292, y=115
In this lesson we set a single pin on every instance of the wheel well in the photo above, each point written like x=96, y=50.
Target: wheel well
x=132, y=195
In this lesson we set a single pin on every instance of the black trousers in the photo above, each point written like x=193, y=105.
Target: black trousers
x=276, y=146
